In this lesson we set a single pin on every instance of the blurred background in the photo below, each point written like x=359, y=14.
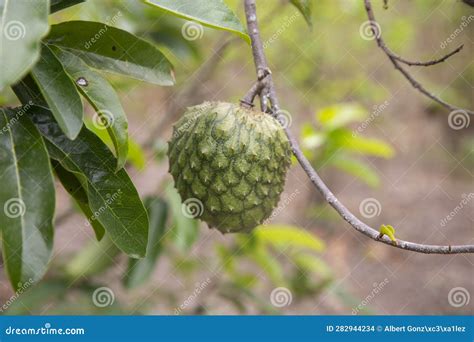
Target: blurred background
x=387, y=152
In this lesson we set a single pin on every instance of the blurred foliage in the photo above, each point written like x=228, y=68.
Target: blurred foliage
x=333, y=144
x=288, y=256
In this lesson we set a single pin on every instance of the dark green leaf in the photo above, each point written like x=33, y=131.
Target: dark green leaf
x=111, y=49
x=27, y=198
x=168, y=33
x=74, y=187
x=34, y=302
x=22, y=25
x=212, y=13
x=136, y=154
x=305, y=7
x=140, y=270
x=59, y=92
x=57, y=5
x=185, y=230
x=109, y=112
x=112, y=196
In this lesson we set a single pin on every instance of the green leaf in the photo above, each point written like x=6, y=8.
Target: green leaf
x=262, y=257
x=305, y=7
x=59, y=92
x=110, y=115
x=355, y=168
x=311, y=139
x=362, y=145
x=112, y=196
x=111, y=49
x=227, y=259
x=340, y=115
x=185, y=230
x=168, y=33
x=140, y=271
x=22, y=25
x=74, y=187
x=211, y=13
x=284, y=236
x=57, y=5
x=310, y=263
x=136, y=154
x=27, y=198
x=95, y=257
x=389, y=231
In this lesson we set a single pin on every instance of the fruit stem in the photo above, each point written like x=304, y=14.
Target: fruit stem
x=256, y=89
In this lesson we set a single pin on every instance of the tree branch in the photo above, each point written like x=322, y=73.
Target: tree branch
x=247, y=100
x=346, y=214
x=396, y=60
x=428, y=63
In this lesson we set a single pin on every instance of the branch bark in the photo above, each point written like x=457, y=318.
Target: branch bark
x=396, y=60
x=345, y=213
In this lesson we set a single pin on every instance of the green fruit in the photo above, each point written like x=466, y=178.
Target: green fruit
x=229, y=164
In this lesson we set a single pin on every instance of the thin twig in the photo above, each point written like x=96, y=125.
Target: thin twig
x=257, y=89
x=469, y=2
x=247, y=100
x=346, y=214
x=428, y=63
x=396, y=60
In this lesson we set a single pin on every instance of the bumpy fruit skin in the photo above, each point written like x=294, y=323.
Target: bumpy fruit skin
x=233, y=160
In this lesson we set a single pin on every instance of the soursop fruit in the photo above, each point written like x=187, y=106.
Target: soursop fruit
x=229, y=164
